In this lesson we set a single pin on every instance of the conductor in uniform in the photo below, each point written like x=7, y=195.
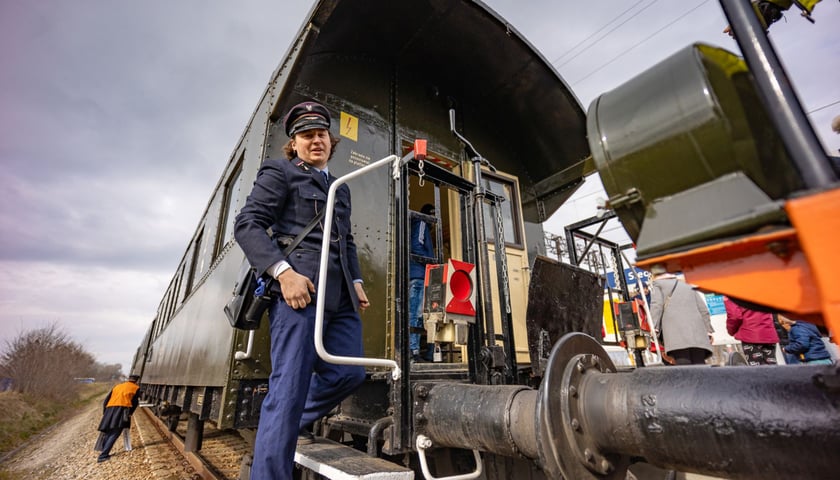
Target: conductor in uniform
x=288, y=193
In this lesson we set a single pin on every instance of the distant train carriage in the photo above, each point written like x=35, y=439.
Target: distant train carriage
x=506, y=146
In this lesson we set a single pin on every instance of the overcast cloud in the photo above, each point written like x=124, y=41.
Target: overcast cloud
x=117, y=118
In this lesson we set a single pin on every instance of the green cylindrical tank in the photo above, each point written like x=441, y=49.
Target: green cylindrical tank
x=686, y=122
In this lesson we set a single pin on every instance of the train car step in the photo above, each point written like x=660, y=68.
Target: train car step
x=340, y=462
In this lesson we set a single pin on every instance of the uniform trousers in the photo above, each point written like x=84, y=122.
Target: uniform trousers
x=303, y=388
x=111, y=437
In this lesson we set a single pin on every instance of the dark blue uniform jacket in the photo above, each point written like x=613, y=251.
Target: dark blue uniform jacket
x=286, y=196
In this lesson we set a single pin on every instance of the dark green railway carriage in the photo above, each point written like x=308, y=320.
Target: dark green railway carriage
x=389, y=72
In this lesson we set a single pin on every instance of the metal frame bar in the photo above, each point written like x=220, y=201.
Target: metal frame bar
x=777, y=93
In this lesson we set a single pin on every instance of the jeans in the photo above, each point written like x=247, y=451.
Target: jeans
x=791, y=359
x=415, y=312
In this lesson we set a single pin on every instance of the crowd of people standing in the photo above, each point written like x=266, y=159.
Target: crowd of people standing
x=681, y=319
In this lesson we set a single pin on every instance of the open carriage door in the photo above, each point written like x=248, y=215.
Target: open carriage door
x=439, y=182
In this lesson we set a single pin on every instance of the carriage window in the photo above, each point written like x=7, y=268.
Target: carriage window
x=161, y=319
x=230, y=207
x=197, y=261
x=179, y=279
x=170, y=303
x=509, y=209
x=183, y=284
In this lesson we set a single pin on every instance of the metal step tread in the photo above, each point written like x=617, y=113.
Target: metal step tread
x=340, y=462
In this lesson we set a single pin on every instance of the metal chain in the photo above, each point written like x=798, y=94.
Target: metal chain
x=420, y=172
x=501, y=244
x=619, y=276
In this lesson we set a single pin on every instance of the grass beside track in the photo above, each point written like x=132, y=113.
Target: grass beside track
x=23, y=416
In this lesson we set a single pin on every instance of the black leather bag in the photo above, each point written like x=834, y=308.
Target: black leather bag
x=248, y=305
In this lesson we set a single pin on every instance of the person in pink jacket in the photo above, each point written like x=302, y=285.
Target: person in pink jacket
x=755, y=330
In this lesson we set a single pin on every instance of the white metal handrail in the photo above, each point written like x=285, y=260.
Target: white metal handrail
x=240, y=355
x=423, y=442
x=322, y=275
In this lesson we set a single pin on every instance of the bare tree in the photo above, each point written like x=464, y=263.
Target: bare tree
x=45, y=362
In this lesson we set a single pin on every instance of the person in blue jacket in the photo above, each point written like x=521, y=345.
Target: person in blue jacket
x=422, y=253
x=288, y=193
x=805, y=340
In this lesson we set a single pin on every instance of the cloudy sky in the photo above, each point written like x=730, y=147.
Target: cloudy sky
x=116, y=119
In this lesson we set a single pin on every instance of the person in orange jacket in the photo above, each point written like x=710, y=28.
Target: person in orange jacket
x=117, y=409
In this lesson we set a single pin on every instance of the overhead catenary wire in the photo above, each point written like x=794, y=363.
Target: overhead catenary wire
x=823, y=107
x=631, y=17
x=570, y=50
x=639, y=43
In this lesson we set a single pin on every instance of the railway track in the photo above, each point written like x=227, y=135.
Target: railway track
x=221, y=453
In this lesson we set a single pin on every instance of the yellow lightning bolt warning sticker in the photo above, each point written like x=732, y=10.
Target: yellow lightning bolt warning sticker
x=349, y=126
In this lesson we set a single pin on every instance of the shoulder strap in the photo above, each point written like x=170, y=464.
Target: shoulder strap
x=667, y=301
x=673, y=289
x=299, y=238
x=304, y=232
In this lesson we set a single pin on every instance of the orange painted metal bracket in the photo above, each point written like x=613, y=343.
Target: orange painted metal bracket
x=767, y=269
x=793, y=270
x=816, y=219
